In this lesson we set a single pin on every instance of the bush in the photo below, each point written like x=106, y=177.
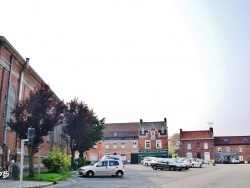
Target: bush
x=56, y=161
x=82, y=162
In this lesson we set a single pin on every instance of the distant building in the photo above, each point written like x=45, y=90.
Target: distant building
x=232, y=147
x=153, y=139
x=198, y=144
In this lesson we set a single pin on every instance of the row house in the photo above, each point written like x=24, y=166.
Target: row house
x=132, y=141
x=197, y=144
x=153, y=139
x=232, y=147
x=17, y=79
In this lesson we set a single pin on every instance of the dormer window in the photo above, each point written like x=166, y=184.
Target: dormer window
x=245, y=139
x=152, y=135
x=142, y=130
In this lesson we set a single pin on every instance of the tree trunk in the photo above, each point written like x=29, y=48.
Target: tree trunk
x=80, y=153
x=31, y=160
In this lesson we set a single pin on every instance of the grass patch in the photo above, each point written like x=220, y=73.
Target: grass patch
x=49, y=176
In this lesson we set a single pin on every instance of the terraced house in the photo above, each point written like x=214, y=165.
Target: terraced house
x=17, y=79
x=232, y=147
x=198, y=144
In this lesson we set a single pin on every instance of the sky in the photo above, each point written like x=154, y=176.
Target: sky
x=187, y=61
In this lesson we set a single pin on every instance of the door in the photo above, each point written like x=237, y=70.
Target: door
x=206, y=156
x=189, y=155
x=113, y=167
x=102, y=168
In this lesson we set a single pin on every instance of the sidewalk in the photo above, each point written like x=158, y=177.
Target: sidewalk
x=10, y=183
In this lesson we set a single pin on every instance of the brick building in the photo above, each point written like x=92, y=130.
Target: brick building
x=198, y=144
x=232, y=147
x=153, y=139
x=17, y=79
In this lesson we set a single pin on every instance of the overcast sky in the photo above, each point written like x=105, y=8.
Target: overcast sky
x=185, y=60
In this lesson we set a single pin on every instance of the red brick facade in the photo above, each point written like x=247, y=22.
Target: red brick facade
x=198, y=144
x=21, y=81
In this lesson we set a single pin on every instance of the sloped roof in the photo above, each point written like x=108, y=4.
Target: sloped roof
x=157, y=125
x=191, y=135
x=231, y=140
x=121, y=129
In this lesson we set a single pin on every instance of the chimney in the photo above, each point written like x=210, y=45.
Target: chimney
x=211, y=129
x=165, y=120
x=140, y=120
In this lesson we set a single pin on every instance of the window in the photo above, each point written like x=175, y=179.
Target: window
x=115, y=145
x=240, y=149
x=11, y=100
x=147, y=144
x=113, y=163
x=54, y=136
x=245, y=139
x=103, y=163
x=115, y=133
x=123, y=145
x=158, y=144
x=219, y=149
x=106, y=145
x=225, y=139
x=60, y=135
x=198, y=145
x=227, y=149
x=188, y=145
x=205, y=145
x=134, y=144
x=48, y=137
x=152, y=134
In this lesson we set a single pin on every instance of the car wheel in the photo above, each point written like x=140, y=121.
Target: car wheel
x=146, y=164
x=192, y=165
x=119, y=174
x=200, y=166
x=90, y=174
x=186, y=168
x=171, y=168
x=154, y=167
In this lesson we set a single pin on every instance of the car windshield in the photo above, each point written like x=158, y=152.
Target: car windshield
x=92, y=164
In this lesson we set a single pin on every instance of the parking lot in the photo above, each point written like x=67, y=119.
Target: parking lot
x=139, y=176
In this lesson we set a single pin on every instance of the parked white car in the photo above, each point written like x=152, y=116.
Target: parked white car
x=147, y=161
x=105, y=167
x=195, y=162
x=235, y=161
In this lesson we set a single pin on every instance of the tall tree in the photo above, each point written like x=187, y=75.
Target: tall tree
x=174, y=144
x=82, y=127
x=40, y=111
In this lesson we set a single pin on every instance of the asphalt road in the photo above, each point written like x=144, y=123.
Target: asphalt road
x=138, y=176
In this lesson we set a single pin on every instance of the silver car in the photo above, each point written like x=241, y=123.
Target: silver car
x=105, y=167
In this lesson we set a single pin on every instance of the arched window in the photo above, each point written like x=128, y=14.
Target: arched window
x=12, y=102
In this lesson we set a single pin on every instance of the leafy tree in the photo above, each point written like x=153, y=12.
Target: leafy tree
x=174, y=144
x=83, y=127
x=40, y=111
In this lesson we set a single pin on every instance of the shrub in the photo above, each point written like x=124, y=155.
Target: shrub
x=82, y=162
x=56, y=161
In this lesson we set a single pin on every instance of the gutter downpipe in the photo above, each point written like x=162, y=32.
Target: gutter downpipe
x=21, y=90
x=21, y=79
x=6, y=110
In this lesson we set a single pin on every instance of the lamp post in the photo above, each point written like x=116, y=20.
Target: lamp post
x=22, y=153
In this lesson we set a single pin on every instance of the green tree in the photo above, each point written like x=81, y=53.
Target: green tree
x=41, y=111
x=83, y=127
x=174, y=144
